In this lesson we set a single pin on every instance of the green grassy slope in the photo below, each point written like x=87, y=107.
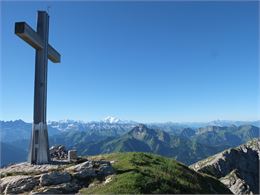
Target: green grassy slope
x=148, y=173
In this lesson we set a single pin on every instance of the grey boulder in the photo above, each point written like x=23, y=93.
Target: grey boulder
x=105, y=170
x=54, y=178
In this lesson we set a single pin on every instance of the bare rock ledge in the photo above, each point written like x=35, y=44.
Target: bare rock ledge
x=51, y=178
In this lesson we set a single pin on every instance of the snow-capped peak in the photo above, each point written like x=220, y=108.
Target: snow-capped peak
x=111, y=119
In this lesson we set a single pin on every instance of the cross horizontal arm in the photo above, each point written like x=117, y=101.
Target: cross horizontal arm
x=53, y=55
x=25, y=32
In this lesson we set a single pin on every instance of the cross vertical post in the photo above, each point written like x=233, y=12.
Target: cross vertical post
x=39, y=153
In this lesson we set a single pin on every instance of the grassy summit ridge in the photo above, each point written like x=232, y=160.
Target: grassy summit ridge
x=148, y=173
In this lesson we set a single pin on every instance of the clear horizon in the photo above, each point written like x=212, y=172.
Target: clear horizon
x=140, y=61
x=88, y=121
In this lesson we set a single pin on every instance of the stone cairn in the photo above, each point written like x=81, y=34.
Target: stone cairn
x=58, y=152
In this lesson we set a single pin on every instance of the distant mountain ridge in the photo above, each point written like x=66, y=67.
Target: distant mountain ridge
x=225, y=137
x=69, y=124
x=110, y=126
x=185, y=149
x=114, y=135
x=12, y=131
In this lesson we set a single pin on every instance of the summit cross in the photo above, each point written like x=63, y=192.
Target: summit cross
x=39, y=145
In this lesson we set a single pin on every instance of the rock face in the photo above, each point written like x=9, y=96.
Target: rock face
x=234, y=182
x=17, y=184
x=64, y=188
x=52, y=179
x=91, y=169
x=28, y=169
x=83, y=171
x=237, y=168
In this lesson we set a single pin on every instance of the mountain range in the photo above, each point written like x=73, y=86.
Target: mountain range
x=184, y=143
x=186, y=149
x=235, y=170
x=227, y=153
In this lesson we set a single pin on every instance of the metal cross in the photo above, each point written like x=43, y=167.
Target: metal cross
x=39, y=146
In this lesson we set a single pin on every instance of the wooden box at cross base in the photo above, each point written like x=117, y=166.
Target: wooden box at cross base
x=72, y=155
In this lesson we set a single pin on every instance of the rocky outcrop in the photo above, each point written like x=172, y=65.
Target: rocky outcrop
x=235, y=183
x=63, y=188
x=90, y=169
x=52, y=179
x=17, y=184
x=237, y=168
x=27, y=168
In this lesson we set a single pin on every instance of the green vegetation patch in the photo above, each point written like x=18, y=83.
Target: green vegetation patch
x=148, y=173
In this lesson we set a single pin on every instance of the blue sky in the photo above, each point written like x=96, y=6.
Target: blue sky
x=144, y=61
